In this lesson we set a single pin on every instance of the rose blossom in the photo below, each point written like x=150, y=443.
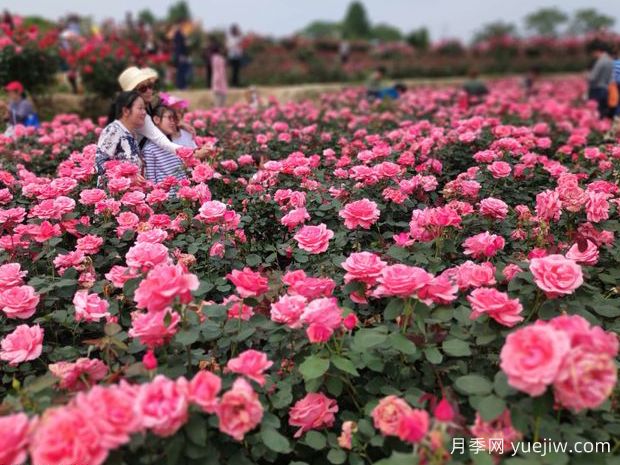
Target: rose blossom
x=248, y=283
x=162, y=285
x=163, y=405
x=314, y=239
x=364, y=267
x=251, y=364
x=13, y=438
x=150, y=327
x=497, y=305
x=288, y=310
x=11, y=275
x=494, y=208
x=89, y=307
x=388, y=414
x=345, y=438
x=203, y=390
x=19, y=302
x=532, y=356
x=363, y=213
x=500, y=429
x=402, y=280
x=79, y=375
x=589, y=256
x=212, y=211
x=314, y=411
x=483, y=245
x=499, y=169
x=239, y=410
x=23, y=344
x=413, y=425
x=556, y=275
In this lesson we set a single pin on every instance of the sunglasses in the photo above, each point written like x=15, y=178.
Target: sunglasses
x=142, y=88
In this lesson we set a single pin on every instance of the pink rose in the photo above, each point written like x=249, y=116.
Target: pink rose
x=239, y=410
x=67, y=435
x=402, y=281
x=295, y=217
x=494, y=208
x=162, y=285
x=11, y=275
x=79, y=375
x=499, y=169
x=588, y=256
x=248, y=283
x=203, y=390
x=314, y=411
x=23, y=344
x=388, y=413
x=585, y=380
x=119, y=275
x=89, y=307
x=440, y=290
x=314, y=239
x=413, y=425
x=483, y=245
x=212, y=211
x=19, y=302
x=13, y=438
x=556, y=275
x=288, y=309
x=346, y=436
x=497, y=305
x=444, y=412
x=597, y=207
x=150, y=327
x=144, y=256
x=363, y=213
x=111, y=410
x=251, y=364
x=163, y=405
x=548, y=206
x=532, y=357
x=89, y=244
x=500, y=429
x=364, y=267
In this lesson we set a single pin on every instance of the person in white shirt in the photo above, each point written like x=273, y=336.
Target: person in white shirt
x=235, y=53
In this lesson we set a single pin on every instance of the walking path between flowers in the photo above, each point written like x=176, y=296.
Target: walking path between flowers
x=203, y=98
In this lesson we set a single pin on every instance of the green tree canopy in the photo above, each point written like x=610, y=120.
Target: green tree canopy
x=419, y=38
x=386, y=33
x=355, y=24
x=545, y=21
x=146, y=16
x=322, y=30
x=590, y=20
x=493, y=30
x=179, y=12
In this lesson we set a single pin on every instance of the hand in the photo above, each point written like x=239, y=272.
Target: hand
x=188, y=127
x=201, y=152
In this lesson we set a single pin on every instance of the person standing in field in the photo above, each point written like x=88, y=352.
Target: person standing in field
x=219, y=84
x=601, y=75
x=235, y=53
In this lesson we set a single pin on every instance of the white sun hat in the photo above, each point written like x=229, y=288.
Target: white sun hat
x=132, y=76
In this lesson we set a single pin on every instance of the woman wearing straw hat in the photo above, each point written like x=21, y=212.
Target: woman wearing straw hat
x=142, y=80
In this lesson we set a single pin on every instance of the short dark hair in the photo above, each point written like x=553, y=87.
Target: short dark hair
x=597, y=45
x=161, y=109
x=123, y=100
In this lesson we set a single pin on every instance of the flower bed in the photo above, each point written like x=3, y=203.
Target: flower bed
x=340, y=282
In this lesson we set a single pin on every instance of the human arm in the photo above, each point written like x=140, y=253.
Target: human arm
x=152, y=133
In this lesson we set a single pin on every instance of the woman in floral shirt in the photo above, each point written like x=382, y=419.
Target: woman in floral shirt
x=118, y=140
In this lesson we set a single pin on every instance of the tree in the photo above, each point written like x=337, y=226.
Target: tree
x=545, y=21
x=322, y=30
x=419, y=38
x=179, y=12
x=495, y=30
x=589, y=20
x=386, y=33
x=355, y=24
x=146, y=16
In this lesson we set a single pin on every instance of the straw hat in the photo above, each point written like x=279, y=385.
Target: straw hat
x=132, y=76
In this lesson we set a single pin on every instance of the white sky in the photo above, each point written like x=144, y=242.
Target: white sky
x=444, y=18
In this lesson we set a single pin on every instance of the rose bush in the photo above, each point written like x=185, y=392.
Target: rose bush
x=339, y=282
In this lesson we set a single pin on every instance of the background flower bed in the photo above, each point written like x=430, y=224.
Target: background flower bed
x=430, y=166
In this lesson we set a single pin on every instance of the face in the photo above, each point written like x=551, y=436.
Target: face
x=13, y=96
x=146, y=89
x=167, y=123
x=135, y=115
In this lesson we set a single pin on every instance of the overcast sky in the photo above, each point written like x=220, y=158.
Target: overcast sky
x=444, y=18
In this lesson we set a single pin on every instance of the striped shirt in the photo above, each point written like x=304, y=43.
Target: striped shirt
x=160, y=164
x=617, y=71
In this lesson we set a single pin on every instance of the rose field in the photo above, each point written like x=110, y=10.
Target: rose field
x=337, y=282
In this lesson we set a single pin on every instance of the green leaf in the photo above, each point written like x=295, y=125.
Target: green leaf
x=336, y=456
x=130, y=287
x=402, y=344
x=283, y=397
x=491, y=407
x=398, y=458
x=456, y=347
x=313, y=367
x=433, y=355
x=274, y=440
x=344, y=364
x=196, y=430
x=315, y=440
x=393, y=309
x=473, y=384
x=187, y=337
x=253, y=260
x=366, y=338
x=174, y=449
x=203, y=288
x=110, y=329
